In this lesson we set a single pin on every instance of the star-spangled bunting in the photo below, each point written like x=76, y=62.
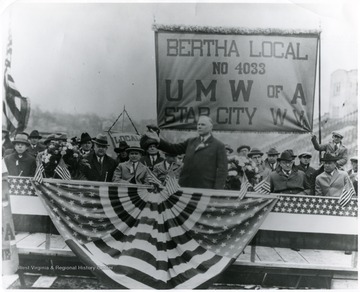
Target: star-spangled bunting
x=315, y=206
x=142, y=239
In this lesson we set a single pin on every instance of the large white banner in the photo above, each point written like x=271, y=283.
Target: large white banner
x=244, y=82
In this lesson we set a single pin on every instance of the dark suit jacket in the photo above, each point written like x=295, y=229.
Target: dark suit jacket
x=96, y=172
x=26, y=165
x=295, y=183
x=146, y=160
x=202, y=168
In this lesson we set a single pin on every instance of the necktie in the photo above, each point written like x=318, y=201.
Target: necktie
x=134, y=168
x=336, y=147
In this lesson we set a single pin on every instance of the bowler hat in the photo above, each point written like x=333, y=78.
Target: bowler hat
x=272, y=151
x=101, y=140
x=49, y=138
x=286, y=155
x=21, y=138
x=335, y=133
x=255, y=151
x=122, y=147
x=242, y=147
x=227, y=147
x=329, y=157
x=135, y=148
x=35, y=134
x=304, y=154
x=85, y=137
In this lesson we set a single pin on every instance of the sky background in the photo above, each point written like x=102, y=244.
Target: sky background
x=97, y=57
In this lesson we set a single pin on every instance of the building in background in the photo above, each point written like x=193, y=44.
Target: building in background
x=343, y=93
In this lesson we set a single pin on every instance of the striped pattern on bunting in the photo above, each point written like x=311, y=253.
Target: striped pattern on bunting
x=16, y=108
x=141, y=240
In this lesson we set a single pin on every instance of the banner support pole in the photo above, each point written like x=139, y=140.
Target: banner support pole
x=320, y=93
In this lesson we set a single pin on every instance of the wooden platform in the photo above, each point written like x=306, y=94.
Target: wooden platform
x=259, y=256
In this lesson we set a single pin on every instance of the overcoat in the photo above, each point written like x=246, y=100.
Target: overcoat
x=205, y=164
x=124, y=174
x=26, y=165
x=330, y=185
x=96, y=172
x=294, y=183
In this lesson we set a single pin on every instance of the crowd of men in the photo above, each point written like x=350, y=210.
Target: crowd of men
x=199, y=162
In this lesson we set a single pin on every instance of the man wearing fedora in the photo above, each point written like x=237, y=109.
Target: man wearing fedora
x=121, y=151
x=101, y=166
x=21, y=162
x=205, y=161
x=271, y=160
x=331, y=182
x=169, y=166
x=132, y=171
x=35, y=146
x=334, y=147
x=85, y=143
x=287, y=178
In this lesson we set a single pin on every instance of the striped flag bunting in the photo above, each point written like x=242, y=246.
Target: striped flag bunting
x=39, y=174
x=62, y=171
x=140, y=240
x=263, y=187
x=347, y=193
x=16, y=108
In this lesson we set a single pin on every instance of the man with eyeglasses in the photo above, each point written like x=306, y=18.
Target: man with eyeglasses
x=334, y=148
x=287, y=178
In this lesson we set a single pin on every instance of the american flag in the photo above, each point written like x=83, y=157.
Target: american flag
x=16, y=108
x=62, y=171
x=171, y=184
x=39, y=174
x=143, y=240
x=347, y=193
x=244, y=187
x=262, y=187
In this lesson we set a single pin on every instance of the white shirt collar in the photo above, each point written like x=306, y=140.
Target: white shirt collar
x=206, y=137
